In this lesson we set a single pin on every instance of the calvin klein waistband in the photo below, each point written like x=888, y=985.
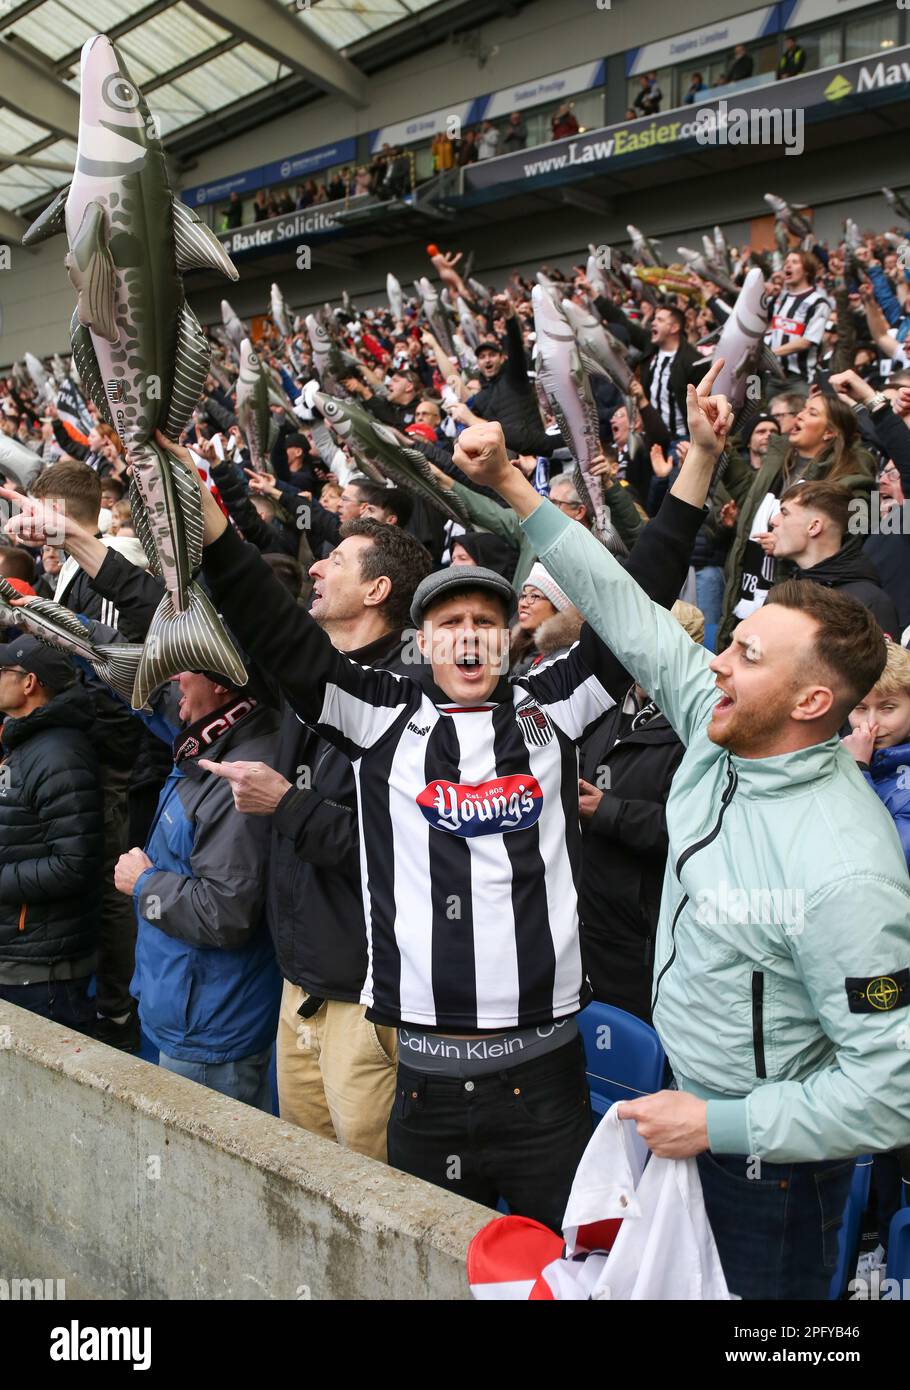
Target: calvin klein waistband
x=443, y=1056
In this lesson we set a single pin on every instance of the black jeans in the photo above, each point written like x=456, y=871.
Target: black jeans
x=775, y=1224
x=517, y=1134
x=64, y=1001
x=117, y=937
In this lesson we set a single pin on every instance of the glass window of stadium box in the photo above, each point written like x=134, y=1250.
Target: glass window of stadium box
x=825, y=44
x=423, y=162
x=869, y=33
x=675, y=82
x=865, y=37
x=588, y=108
x=822, y=47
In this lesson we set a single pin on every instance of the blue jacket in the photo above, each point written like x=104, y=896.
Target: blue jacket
x=205, y=978
x=888, y=301
x=889, y=776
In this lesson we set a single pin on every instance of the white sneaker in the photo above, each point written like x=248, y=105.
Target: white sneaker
x=873, y=1259
x=870, y=1270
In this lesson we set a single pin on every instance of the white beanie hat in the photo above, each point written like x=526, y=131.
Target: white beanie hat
x=538, y=578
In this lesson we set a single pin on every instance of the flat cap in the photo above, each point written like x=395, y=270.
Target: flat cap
x=446, y=582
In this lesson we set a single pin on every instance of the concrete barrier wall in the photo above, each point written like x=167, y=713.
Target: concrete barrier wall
x=127, y=1181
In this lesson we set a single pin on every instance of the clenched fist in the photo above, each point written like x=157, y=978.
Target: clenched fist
x=481, y=453
x=129, y=869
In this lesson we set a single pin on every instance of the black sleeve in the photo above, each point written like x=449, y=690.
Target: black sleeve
x=384, y=411
x=654, y=429
x=265, y=535
x=719, y=308
x=516, y=362
x=443, y=461
x=324, y=832
x=659, y=561
x=611, y=313
x=66, y=441
x=351, y=706
x=134, y=593
x=237, y=500
x=893, y=438
x=642, y=825
x=881, y=606
x=220, y=416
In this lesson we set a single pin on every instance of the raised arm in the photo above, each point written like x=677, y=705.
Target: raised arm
x=352, y=706
x=645, y=638
x=134, y=592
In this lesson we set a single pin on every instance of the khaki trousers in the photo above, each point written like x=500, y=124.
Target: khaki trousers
x=336, y=1072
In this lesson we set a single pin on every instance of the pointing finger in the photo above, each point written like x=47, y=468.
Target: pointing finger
x=709, y=378
x=228, y=770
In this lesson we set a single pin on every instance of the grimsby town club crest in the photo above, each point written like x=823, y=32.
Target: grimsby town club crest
x=534, y=724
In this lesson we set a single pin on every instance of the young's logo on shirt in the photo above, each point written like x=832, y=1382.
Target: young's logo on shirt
x=489, y=808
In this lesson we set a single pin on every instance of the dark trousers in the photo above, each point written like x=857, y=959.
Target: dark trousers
x=117, y=940
x=890, y=1179
x=776, y=1231
x=64, y=1001
x=618, y=961
x=517, y=1134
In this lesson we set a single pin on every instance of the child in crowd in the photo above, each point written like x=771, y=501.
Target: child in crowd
x=121, y=519
x=880, y=741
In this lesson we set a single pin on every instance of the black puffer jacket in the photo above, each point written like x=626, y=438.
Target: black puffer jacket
x=852, y=570
x=510, y=399
x=51, y=833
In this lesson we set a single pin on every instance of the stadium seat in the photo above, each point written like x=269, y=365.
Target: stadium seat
x=848, y=1238
x=899, y=1247
x=624, y=1056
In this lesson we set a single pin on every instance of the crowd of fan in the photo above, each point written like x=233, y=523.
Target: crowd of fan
x=277, y=843
x=392, y=171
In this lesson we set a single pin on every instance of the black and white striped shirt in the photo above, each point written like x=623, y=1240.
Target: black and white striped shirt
x=799, y=316
x=664, y=400
x=470, y=840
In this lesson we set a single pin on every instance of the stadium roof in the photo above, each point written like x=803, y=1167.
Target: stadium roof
x=195, y=60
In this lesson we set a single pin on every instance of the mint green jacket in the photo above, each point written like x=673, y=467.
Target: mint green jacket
x=781, y=987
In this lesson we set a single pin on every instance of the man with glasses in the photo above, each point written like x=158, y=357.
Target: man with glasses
x=785, y=408
x=483, y=511
x=563, y=494
x=51, y=836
